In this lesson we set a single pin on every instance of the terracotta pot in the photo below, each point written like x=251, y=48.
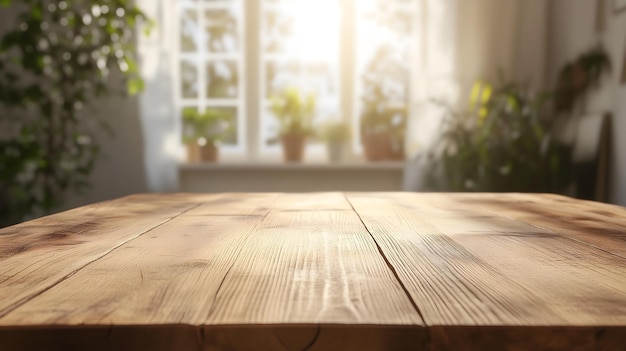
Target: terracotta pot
x=377, y=146
x=206, y=153
x=396, y=149
x=293, y=147
x=209, y=152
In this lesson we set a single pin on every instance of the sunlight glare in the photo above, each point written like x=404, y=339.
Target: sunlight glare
x=316, y=29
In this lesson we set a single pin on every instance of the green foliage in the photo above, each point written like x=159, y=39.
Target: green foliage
x=502, y=143
x=294, y=112
x=52, y=65
x=577, y=76
x=212, y=125
x=336, y=131
x=383, y=100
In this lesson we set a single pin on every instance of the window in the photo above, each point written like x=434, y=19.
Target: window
x=211, y=62
x=335, y=49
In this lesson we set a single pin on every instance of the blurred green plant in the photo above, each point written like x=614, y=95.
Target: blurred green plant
x=507, y=139
x=213, y=125
x=295, y=113
x=578, y=76
x=55, y=63
x=503, y=142
x=336, y=131
x=383, y=99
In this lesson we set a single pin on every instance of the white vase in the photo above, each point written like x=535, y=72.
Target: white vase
x=337, y=151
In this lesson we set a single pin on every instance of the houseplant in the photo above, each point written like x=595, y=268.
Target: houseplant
x=295, y=115
x=384, y=112
x=337, y=136
x=202, y=132
x=56, y=61
x=503, y=142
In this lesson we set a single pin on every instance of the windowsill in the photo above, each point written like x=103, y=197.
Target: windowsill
x=278, y=176
x=304, y=166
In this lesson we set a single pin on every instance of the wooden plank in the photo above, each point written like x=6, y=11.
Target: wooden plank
x=318, y=265
x=597, y=224
x=479, y=278
x=36, y=255
x=218, y=266
x=243, y=337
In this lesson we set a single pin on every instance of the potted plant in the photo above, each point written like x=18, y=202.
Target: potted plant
x=384, y=112
x=201, y=133
x=504, y=142
x=295, y=116
x=337, y=135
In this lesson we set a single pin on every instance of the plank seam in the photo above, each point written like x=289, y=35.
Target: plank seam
x=9, y=309
x=391, y=267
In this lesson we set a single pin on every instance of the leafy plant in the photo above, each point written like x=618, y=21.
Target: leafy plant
x=576, y=77
x=336, y=132
x=52, y=65
x=211, y=126
x=294, y=112
x=384, y=99
x=502, y=143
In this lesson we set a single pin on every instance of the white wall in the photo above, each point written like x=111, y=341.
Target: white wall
x=572, y=31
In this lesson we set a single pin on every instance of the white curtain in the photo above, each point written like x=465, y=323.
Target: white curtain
x=157, y=105
x=460, y=41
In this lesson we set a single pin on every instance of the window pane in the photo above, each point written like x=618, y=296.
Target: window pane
x=222, y=79
x=384, y=41
x=281, y=75
x=189, y=30
x=189, y=79
x=230, y=124
x=278, y=27
x=300, y=49
x=221, y=30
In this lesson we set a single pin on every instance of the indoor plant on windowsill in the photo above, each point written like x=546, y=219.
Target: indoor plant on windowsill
x=295, y=115
x=202, y=132
x=384, y=107
x=337, y=136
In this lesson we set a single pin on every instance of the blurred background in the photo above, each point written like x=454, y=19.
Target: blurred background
x=106, y=98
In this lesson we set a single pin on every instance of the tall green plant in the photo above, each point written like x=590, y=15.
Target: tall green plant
x=504, y=142
x=54, y=63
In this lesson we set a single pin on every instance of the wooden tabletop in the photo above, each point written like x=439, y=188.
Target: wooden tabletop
x=318, y=271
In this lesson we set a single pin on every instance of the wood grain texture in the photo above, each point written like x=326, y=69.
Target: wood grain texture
x=36, y=255
x=483, y=277
x=318, y=271
x=242, y=260
x=597, y=224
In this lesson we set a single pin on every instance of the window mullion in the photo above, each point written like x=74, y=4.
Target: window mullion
x=347, y=70
x=252, y=62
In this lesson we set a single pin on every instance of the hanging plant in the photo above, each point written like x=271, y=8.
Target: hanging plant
x=54, y=63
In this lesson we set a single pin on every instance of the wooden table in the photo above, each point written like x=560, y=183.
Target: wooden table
x=318, y=271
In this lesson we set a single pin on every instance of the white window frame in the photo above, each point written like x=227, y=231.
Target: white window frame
x=249, y=102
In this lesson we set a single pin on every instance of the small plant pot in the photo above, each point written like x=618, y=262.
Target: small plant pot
x=209, y=152
x=377, y=146
x=202, y=153
x=337, y=151
x=293, y=147
x=396, y=150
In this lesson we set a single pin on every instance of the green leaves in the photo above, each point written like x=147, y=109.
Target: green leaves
x=294, y=112
x=502, y=143
x=212, y=125
x=54, y=62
